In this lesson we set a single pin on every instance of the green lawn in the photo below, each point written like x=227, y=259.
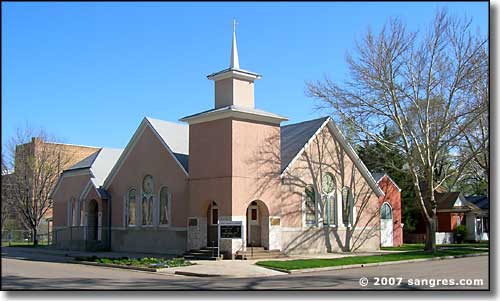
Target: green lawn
x=318, y=263
x=416, y=247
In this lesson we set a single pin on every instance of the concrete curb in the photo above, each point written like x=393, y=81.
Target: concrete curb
x=196, y=274
x=353, y=266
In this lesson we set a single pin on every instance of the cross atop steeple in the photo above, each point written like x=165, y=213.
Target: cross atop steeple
x=234, y=62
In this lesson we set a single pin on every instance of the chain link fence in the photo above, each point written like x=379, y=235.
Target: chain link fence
x=24, y=237
x=77, y=238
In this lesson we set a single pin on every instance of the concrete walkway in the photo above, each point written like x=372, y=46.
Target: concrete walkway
x=247, y=268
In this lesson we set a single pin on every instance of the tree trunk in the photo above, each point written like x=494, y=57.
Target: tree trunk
x=35, y=236
x=430, y=237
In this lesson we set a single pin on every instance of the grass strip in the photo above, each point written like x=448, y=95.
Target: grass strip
x=416, y=247
x=299, y=264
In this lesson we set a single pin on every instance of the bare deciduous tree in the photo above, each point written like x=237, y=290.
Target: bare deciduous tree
x=476, y=138
x=420, y=85
x=37, y=163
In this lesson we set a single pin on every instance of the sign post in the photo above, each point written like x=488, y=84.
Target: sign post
x=230, y=230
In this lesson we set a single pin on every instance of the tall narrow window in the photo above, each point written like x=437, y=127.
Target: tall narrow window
x=147, y=200
x=164, y=200
x=144, y=211
x=328, y=187
x=310, y=205
x=347, y=206
x=74, y=213
x=131, y=212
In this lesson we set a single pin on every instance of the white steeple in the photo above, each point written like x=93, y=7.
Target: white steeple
x=234, y=86
x=234, y=62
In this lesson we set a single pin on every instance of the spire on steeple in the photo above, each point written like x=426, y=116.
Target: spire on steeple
x=234, y=86
x=234, y=62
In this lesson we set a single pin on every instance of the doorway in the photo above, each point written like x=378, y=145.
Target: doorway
x=386, y=226
x=257, y=225
x=92, y=220
x=212, y=225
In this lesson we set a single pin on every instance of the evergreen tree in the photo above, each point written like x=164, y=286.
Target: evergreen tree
x=382, y=160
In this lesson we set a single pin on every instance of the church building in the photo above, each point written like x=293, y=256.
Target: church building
x=298, y=188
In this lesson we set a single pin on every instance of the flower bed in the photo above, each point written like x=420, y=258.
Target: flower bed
x=146, y=262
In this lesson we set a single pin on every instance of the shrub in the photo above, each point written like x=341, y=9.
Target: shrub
x=460, y=233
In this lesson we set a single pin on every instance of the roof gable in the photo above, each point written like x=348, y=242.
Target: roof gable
x=168, y=133
x=378, y=176
x=98, y=165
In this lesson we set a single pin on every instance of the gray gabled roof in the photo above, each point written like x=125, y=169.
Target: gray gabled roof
x=378, y=175
x=295, y=136
x=100, y=164
x=176, y=136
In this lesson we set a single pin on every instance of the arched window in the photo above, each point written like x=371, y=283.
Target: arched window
x=386, y=211
x=164, y=206
x=328, y=198
x=147, y=200
x=310, y=205
x=347, y=206
x=131, y=210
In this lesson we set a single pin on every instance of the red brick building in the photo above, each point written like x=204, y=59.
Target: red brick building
x=391, y=228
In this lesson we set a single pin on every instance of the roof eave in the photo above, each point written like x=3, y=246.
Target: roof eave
x=232, y=112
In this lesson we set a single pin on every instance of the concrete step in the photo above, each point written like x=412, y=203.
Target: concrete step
x=208, y=253
x=194, y=257
x=260, y=251
x=259, y=254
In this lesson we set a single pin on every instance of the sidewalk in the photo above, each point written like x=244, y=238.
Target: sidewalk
x=201, y=268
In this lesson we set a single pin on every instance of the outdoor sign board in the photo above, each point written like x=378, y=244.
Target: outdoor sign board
x=231, y=230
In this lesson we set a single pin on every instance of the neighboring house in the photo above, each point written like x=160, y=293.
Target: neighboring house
x=483, y=203
x=298, y=188
x=72, y=154
x=391, y=228
x=454, y=210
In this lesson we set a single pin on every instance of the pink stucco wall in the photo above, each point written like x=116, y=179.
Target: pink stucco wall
x=70, y=187
x=255, y=166
x=210, y=161
x=149, y=157
x=325, y=154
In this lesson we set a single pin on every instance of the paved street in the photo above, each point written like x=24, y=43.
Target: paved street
x=21, y=271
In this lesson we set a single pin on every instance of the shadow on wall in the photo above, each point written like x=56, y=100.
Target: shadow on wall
x=324, y=155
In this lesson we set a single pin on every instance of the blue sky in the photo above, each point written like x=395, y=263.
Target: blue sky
x=89, y=72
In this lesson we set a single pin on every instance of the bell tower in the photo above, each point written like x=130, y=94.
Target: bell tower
x=233, y=149
x=234, y=86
